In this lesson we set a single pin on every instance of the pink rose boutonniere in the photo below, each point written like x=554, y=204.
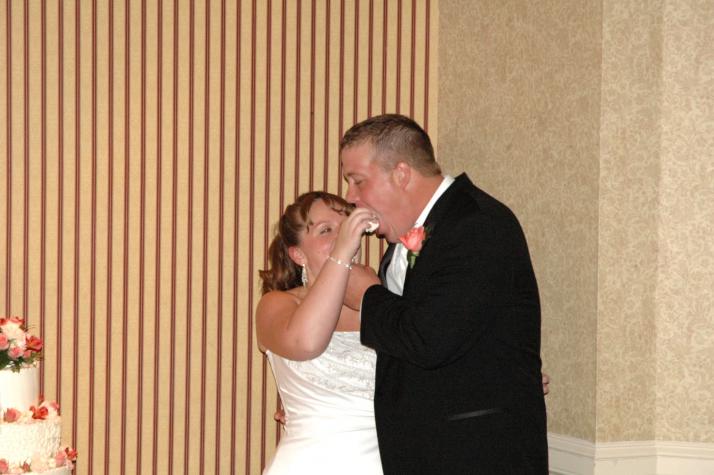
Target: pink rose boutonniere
x=413, y=241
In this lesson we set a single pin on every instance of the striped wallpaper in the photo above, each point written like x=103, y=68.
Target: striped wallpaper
x=147, y=148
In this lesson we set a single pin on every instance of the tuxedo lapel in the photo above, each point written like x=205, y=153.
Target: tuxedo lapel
x=442, y=205
x=406, y=277
x=384, y=264
x=438, y=212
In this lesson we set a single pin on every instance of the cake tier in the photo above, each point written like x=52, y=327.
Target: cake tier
x=63, y=470
x=53, y=471
x=19, y=390
x=21, y=441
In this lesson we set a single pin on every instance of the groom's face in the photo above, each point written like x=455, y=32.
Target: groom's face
x=370, y=186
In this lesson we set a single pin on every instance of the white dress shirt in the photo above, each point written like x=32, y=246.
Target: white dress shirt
x=397, y=270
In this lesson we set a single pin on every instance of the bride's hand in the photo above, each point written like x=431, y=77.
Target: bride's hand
x=349, y=238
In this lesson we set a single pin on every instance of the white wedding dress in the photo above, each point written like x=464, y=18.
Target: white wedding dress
x=328, y=403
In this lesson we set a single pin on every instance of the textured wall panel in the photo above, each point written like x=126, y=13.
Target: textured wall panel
x=685, y=281
x=629, y=182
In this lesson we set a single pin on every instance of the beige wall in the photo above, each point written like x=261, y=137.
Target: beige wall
x=628, y=208
x=146, y=149
x=594, y=122
x=685, y=264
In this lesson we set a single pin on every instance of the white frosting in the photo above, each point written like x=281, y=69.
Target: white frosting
x=27, y=438
x=373, y=225
x=20, y=442
x=65, y=470
x=19, y=390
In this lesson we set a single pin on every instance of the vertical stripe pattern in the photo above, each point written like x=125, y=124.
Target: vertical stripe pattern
x=146, y=152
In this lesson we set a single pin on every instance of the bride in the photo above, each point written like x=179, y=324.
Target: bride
x=324, y=375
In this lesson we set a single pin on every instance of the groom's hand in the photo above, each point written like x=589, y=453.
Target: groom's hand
x=545, y=379
x=361, y=278
x=279, y=416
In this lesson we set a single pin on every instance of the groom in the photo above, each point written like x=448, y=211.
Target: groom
x=457, y=328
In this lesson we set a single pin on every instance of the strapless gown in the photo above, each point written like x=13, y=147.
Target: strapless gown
x=328, y=403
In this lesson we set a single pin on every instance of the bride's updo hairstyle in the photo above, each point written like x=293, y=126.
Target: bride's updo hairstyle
x=283, y=273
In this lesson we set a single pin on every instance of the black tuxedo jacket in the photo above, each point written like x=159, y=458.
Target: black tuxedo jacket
x=458, y=384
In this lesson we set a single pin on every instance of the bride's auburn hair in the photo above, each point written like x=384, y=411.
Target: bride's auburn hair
x=283, y=273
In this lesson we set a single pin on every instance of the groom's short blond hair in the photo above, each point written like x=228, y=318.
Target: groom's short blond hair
x=396, y=138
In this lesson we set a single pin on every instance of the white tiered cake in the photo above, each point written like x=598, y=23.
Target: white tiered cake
x=29, y=428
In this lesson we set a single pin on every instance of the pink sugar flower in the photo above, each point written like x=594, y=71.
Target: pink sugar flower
x=14, y=320
x=15, y=352
x=13, y=330
x=4, y=466
x=51, y=406
x=60, y=458
x=33, y=343
x=17, y=348
x=71, y=453
x=11, y=415
x=39, y=412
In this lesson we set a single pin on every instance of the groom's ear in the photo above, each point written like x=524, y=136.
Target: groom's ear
x=296, y=255
x=402, y=174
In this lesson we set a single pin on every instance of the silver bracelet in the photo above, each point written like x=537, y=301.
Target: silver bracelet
x=337, y=261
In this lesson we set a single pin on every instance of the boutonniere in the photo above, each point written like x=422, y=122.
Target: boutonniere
x=413, y=241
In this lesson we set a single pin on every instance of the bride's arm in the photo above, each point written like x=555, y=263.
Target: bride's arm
x=302, y=330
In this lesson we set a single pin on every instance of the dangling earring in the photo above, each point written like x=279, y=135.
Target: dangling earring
x=303, y=276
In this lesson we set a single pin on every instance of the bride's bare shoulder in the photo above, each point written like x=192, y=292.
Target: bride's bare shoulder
x=278, y=300
x=275, y=308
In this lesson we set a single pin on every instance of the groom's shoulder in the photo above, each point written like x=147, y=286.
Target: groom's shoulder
x=470, y=200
